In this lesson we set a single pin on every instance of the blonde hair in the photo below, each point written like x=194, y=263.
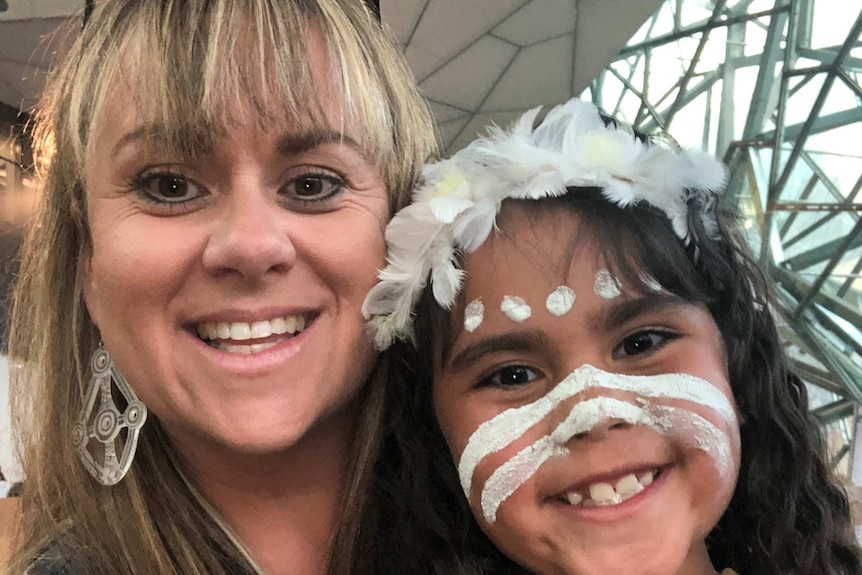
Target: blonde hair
x=193, y=61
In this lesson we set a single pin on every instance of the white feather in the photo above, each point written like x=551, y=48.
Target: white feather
x=456, y=204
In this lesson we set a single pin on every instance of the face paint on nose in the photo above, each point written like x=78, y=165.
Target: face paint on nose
x=692, y=429
x=500, y=431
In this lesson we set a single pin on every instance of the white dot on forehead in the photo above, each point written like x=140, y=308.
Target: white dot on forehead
x=515, y=308
x=606, y=286
x=473, y=315
x=560, y=301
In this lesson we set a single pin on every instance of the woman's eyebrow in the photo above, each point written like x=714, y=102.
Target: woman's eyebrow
x=294, y=144
x=290, y=144
x=622, y=311
x=519, y=341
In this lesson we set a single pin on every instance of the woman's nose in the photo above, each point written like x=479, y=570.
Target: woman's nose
x=251, y=238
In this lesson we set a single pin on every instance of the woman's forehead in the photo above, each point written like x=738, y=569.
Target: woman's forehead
x=144, y=101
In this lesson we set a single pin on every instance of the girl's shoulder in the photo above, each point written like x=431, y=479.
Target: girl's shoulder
x=728, y=571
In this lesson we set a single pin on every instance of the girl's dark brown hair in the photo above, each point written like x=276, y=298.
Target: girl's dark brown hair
x=788, y=514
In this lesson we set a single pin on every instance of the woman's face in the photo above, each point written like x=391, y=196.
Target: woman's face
x=596, y=433
x=227, y=286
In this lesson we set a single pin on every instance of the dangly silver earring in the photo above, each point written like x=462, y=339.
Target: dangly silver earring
x=101, y=420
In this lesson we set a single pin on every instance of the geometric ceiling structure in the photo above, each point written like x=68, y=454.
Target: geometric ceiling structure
x=483, y=61
x=775, y=87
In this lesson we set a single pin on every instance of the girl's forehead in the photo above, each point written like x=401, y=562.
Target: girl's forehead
x=535, y=245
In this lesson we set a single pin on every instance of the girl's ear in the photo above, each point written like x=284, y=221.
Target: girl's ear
x=90, y=289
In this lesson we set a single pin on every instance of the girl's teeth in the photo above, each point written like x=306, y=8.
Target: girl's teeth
x=603, y=493
x=574, y=498
x=627, y=484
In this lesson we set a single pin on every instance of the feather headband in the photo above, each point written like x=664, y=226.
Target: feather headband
x=455, y=207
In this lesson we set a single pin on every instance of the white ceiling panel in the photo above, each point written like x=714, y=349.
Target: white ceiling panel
x=540, y=74
x=450, y=130
x=26, y=49
x=402, y=17
x=491, y=59
x=36, y=9
x=466, y=81
x=447, y=27
x=478, y=125
x=538, y=21
x=444, y=113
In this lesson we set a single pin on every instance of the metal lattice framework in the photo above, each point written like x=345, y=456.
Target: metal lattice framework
x=774, y=87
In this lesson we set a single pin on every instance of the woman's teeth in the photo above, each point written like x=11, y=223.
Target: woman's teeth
x=224, y=335
x=603, y=493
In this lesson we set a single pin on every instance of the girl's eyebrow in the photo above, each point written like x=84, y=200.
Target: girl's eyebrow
x=518, y=341
x=620, y=312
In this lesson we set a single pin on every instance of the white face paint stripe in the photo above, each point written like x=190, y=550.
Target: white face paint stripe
x=498, y=432
x=512, y=474
x=692, y=428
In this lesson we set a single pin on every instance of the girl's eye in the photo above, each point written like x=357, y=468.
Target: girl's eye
x=640, y=343
x=167, y=188
x=314, y=187
x=511, y=376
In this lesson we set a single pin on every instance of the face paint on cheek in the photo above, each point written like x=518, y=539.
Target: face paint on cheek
x=516, y=309
x=693, y=431
x=606, y=285
x=560, y=301
x=474, y=313
x=500, y=431
x=508, y=426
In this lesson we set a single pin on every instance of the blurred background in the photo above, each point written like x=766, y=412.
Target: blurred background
x=772, y=86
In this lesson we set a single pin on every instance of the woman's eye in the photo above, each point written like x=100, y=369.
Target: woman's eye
x=640, y=343
x=511, y=376
x=167, y=188
x=314, y=187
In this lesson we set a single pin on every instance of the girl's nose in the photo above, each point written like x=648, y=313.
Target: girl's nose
x=601, y=430
x=251, y=238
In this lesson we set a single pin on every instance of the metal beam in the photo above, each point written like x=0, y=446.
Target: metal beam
x=825, y=250
x=834, y=411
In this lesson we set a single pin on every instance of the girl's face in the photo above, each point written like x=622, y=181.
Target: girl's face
x=597, y=472
x=227, y=286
